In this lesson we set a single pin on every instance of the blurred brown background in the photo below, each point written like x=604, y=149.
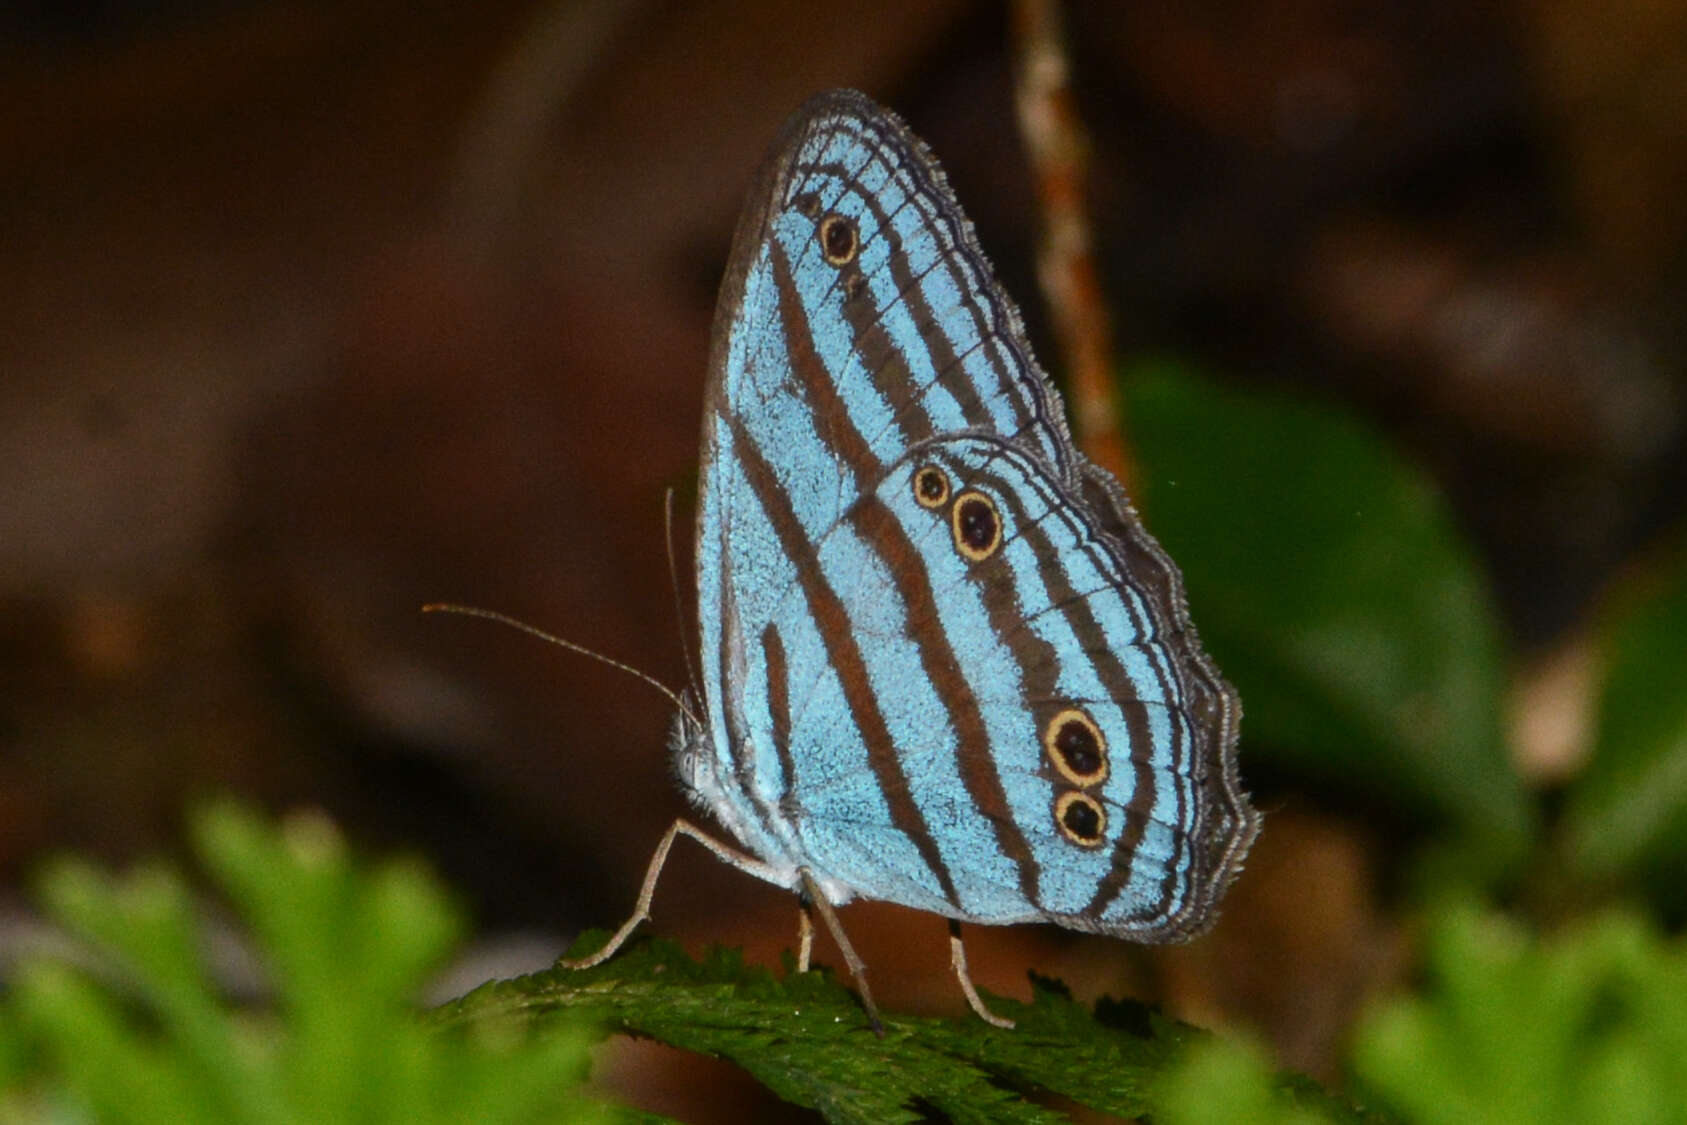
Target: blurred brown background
x=313, y=312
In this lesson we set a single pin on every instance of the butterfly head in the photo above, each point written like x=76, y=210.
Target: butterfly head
x=688, y=749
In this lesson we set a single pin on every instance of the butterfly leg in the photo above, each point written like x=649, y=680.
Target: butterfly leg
x=641, y=912
x=805, y=934
x=857, y=968
x=958, y=959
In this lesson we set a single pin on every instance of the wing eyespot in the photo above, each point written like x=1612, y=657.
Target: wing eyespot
x=840, y=242
x=1076, y=746
x=931, y=487
x=1081, y=819
x=977, y=525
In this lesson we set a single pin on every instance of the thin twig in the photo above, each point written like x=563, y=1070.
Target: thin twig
x=1058, y=147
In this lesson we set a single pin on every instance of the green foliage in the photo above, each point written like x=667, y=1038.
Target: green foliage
x=1229, y=1083
x=1628, y=813
x=137, y=1031
x=1331, y=586
x=1588, y=1027
x=144, y=1035
x=807, y=1040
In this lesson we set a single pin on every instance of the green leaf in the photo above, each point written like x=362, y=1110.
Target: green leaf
x=1627, y=813
x=1329, y=582
x=349, y=950
x=148, y=1037
x=1587, y=1027
x=806, y=1039
x=1229, y=1083
x=147, y=927
x=86, y=1044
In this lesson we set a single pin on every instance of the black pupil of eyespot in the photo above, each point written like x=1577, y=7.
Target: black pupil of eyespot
x=931, y=484
x=1081, y=818
x=1077, y=745
x=978, y=524
x=839, y=237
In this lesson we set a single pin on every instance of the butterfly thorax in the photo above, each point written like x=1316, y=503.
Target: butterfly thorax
x=697, y=767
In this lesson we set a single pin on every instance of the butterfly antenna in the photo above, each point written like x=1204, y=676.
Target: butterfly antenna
x=673, y=582
x=531, y=630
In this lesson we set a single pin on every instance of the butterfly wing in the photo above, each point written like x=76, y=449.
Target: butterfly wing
x=880, y=696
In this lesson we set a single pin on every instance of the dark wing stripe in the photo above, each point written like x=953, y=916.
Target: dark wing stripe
x=740, y=746
x=889, y=540
x=779, y=708
x=877, y=354
x=967, y=270
x=832, y=622
x=1113, y=675
x=994, y=320
x=1153, y=573
x=1039, y=664
x=865, y=318
x=881, y=358
x=969, y=411
x=880, y=528
x=832, y=421
x=1209, y=702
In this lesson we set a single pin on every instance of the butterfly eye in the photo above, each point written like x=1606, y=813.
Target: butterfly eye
x=1076, y=747
x=931, y=487
x=1081, y=819
x=978, y=529
x=838, y=241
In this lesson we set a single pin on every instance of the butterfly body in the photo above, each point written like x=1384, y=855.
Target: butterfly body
x=943, y=664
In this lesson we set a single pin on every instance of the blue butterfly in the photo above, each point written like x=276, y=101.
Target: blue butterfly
x=943, y=664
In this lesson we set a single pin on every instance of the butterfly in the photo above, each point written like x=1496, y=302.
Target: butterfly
x=942, y=662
